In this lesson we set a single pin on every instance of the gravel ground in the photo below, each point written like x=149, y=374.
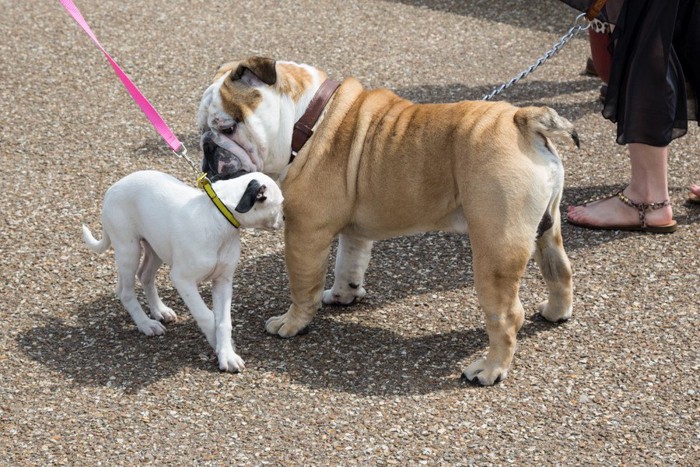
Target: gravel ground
x=377, y=383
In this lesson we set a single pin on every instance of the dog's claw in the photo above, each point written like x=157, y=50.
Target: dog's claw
x=152, y=328
x=286, y=325
x=483, y=374
x=231, y=362
x=552, y=313
x=348, y=298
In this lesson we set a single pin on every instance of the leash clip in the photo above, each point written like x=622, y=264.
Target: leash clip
x=181, y=153
x=202, y=180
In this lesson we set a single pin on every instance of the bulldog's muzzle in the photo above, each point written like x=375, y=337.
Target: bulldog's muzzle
x=220, y=163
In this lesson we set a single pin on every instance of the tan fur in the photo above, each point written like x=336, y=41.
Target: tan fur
x=294, y=80
x=379, y=166
x=247, y=99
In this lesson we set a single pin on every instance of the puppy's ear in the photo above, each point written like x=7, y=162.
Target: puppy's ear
x=261, y=68
x=254, y=192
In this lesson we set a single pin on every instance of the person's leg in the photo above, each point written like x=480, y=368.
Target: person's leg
x=648, y=184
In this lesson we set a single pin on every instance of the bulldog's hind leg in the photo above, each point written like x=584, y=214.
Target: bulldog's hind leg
x=498, y=268
x=127, y=255
x=351, y=263
x=306, y=254
x=147, y=275
x=555, y=267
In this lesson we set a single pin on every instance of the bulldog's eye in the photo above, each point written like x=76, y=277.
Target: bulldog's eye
x=227, y=131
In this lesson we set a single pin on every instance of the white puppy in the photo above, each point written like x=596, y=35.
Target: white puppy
x=179, y=225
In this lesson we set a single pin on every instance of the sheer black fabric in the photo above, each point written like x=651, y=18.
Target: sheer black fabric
x=656, y=50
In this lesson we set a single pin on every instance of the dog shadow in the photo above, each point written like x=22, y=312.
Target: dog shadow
x=100, y=345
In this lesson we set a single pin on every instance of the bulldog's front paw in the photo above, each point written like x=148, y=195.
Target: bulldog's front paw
x=286, y=325
x=483, y=373
x=343, y=297
x=230, y=361
x=164, y=314
x=151, y=327
x=553, y=313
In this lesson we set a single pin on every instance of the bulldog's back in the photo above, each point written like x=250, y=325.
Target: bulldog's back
x=412, y=160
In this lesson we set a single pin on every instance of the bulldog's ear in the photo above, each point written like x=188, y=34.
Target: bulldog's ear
x=261, y=67
x=254, y=192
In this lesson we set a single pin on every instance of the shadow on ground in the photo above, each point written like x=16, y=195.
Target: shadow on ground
x=543, y=16
x=102, y=347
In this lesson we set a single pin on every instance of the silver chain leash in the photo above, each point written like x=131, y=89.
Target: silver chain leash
x=575, y=28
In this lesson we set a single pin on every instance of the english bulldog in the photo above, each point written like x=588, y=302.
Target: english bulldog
x=155, y=214
x=372, y=165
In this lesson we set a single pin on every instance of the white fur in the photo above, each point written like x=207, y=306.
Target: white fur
x=271, y=123
x=173, y=223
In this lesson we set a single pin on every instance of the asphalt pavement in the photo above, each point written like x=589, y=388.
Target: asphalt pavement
x=374, y=384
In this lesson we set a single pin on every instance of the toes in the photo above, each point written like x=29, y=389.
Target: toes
x=552, y=314
x=152, y=328
x=231, y=362
x=272, y=325
x=168, y=316
x=330, y=298
x=482, y=373
x=284, y=326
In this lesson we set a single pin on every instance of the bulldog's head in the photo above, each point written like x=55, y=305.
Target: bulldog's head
x=246, y=116
x=257, y=200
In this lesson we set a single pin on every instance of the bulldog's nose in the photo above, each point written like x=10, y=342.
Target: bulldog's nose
x=207, y=137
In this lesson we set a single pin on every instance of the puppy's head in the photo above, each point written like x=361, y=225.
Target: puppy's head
x=246, y=116
x=255, y=200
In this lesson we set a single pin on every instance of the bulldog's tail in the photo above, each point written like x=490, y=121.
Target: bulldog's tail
x=92, y=243
x=546, y=122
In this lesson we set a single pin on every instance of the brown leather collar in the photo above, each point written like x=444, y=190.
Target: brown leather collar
x=303, y=127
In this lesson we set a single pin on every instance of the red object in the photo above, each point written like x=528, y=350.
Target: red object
x=600, y=53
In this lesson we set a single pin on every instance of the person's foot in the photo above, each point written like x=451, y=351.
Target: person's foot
x=612, y=212
x=694, y=196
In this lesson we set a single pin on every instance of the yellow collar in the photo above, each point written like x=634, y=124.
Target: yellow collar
x=204, y=183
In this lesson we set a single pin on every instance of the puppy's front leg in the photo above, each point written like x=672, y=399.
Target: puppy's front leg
x=187, y=288
x=221, y=294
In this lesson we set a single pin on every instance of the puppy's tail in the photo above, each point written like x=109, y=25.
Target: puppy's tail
x=545, y=122
x=96, y=245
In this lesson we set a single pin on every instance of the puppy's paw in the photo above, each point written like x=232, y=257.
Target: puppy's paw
x=230, y=361
x=164, y=314
x=484, y=374
x=343, y=298
x=285, y=325
x=151, y=327
x=553, y=313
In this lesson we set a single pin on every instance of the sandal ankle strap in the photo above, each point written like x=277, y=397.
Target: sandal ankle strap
x=643, y=208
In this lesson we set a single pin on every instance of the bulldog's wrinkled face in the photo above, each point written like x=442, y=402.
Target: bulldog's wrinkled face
x=246, y=117
x=236, y=118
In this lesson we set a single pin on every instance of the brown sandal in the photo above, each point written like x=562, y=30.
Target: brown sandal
x=642, y=209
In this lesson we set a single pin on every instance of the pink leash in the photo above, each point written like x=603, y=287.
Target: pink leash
x=150, y=111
